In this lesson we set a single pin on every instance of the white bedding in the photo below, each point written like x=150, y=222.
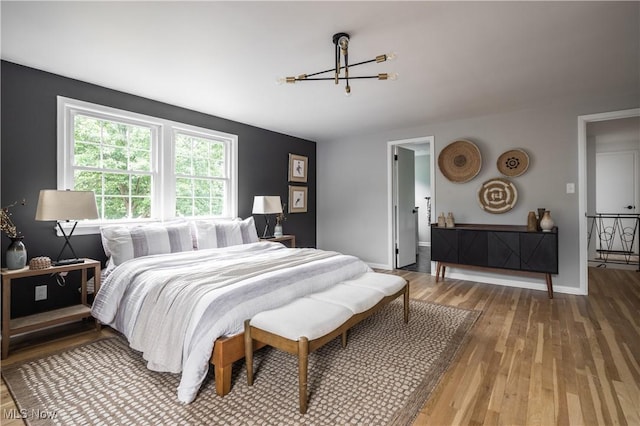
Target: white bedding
x=172, y=307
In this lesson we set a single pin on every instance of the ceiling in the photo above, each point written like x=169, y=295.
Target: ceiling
x=455, y=59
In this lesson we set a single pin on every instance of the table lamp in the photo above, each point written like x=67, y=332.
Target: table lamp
x=66, y=206
x=266, y=205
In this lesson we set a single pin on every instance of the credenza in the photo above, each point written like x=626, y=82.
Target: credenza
x=496, y=248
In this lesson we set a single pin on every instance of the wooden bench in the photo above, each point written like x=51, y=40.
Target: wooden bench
x=308, y=323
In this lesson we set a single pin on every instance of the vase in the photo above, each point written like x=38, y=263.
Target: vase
x=441, y=221
x=450, y=223
x=16, y=254
x=277, y=231
x=546, y=223
x=540, y=214
x=532, y=222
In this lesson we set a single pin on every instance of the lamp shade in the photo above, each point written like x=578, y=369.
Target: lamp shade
x=268, y=204
x=66, y=205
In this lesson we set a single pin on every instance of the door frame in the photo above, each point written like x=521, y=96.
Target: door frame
x=391, y=228
x=582, y=184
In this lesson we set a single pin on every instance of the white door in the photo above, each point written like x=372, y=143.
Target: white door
x=616, y=193
x=406, y=231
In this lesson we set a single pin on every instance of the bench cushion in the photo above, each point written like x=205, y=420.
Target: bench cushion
x=356, y=299
x=320, y=318
x=387, y=284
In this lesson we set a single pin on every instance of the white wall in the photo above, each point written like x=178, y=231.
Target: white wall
x=352, y=186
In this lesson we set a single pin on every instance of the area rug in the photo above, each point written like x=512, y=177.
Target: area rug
x=383, y=376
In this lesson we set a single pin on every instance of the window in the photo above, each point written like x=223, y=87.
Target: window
x=144, y=168
x=201, y=176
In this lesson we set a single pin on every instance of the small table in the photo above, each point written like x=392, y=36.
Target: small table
x=290, y=238
x=41, y=320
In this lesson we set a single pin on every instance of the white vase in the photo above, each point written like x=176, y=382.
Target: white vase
x=277, y=231
x=546, y=223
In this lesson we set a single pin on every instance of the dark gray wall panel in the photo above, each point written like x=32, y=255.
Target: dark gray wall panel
x=29, y=122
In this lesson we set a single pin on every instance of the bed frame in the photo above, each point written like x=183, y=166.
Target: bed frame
x=226, y=351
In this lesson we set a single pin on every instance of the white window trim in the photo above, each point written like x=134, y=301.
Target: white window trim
x=162, y=160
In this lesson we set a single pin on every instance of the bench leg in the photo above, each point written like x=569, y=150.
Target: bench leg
x=248, y=352
x=303, y=359
x=344, y=339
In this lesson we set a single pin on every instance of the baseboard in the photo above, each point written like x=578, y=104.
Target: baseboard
x=424, y=244
x=529, y=283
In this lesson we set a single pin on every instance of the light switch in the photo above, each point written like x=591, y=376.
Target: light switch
x=571, y=188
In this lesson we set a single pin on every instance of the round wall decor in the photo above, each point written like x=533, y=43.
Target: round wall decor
x=460, y=161
x=497, y=195
x=513, y=163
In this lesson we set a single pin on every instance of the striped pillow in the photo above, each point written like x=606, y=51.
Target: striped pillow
x=228, y=233
x=124, y=243
x=224, y=233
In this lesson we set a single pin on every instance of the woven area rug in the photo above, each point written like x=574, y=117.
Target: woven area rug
x=383, y=376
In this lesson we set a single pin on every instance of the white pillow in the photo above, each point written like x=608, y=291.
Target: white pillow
x=205, y=234
x=249, y=232
x=124, y=243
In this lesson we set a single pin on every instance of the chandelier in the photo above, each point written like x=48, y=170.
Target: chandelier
x=341, y=46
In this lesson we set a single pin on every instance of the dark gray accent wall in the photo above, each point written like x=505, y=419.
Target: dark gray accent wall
x=28, y=159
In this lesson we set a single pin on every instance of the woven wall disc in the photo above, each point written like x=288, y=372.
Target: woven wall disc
x=513, y=163
x=460, y=161
x=497, y=195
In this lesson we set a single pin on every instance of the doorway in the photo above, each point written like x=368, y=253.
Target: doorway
x=586, y=182
x=410, y=204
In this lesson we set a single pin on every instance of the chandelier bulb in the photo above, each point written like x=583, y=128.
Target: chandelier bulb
x=347, y=90
x=280, y=81
x=391, y=56
x=393, y=76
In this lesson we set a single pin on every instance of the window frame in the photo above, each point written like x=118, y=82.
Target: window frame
x=162, y=159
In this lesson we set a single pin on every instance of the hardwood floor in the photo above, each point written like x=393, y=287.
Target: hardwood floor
x=573, y=360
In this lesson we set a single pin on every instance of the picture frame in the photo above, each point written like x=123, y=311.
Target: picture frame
x=298, y=168
x=298, y=199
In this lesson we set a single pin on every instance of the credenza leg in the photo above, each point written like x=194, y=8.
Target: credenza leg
x=549, y=285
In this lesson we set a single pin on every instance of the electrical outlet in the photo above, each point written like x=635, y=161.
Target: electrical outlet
x=41, y=292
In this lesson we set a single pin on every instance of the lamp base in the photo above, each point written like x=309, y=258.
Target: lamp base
x=65, y=262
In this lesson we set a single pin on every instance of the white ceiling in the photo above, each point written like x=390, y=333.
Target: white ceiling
x=455, y=59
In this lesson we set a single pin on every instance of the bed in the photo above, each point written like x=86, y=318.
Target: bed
x=184, y=308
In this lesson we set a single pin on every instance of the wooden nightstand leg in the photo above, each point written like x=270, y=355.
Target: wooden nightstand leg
x=96, y=288
x=6, y=315
x=83, y=287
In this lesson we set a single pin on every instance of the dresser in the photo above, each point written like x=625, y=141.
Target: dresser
x=497, y=248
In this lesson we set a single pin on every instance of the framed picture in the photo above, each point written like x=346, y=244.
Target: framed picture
x=297, y=199
x=298, y=168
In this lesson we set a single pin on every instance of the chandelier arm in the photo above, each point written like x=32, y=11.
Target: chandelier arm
x=346, y=71
x=341, y=68
x=339, y=78
x=338, y=67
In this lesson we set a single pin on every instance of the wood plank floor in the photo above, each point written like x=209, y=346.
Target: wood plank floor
x=573, y=360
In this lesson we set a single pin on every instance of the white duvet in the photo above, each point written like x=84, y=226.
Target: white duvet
x=173, y=307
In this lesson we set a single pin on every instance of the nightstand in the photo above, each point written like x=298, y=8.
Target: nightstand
x=290, y=238
x=34, y=322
